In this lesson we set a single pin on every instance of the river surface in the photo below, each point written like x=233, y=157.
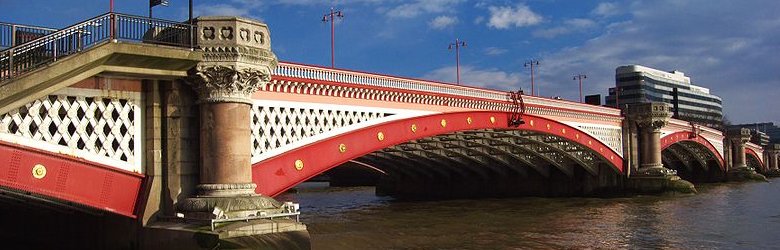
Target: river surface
x=723, y=216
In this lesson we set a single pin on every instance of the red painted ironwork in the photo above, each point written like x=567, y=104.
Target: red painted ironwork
x=518, y=108
x=69, y=179
x=277, y=174
x=754, y=154
x=676, y=137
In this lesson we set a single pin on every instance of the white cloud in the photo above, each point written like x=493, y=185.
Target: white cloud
x=487, y=78
x=420, y=7
x=569, y=26
x=442, y=22
x=494, y=51
x=479, y=20
x=505, y=17
x=605, y=9
x=580, y=23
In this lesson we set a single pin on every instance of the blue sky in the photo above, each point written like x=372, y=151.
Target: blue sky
x=729, y=46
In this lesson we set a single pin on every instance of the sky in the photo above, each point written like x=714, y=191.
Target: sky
x=729, y=46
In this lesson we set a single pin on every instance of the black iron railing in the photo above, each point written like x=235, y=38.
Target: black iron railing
x=15, y=34
x=30, y=55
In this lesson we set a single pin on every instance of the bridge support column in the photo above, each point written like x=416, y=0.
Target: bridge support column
x=739, y=170
x=226, y=211
x=651, y=176
x=772, y=151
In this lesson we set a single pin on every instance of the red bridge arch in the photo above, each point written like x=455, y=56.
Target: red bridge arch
x=751, y=152
x=676, y=137
x=275, y=175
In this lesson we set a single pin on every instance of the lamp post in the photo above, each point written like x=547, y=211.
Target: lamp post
x=580, y=77
x=531, y=63
x=330, y=17
x=153, y=3
x=458, y=43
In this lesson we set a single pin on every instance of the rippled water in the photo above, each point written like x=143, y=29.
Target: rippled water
x=728, y=216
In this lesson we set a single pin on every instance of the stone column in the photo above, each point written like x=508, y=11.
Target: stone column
x=739, y=170
x=650, y=118
x=738, y=138
x=652, y=176
x=237, y=61
x=772, y=151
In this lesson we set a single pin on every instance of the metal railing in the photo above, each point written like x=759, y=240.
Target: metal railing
x=28, y=56
x=15, y=34
x=288, y=69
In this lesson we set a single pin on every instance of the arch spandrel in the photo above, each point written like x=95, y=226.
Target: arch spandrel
x=284, y=171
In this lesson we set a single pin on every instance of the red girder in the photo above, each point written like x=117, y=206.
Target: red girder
x=69, y=179
x=275, y=175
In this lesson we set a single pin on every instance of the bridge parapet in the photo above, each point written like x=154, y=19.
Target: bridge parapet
x=390, y=88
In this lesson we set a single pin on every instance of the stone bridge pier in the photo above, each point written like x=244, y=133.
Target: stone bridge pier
x=772, y=152
x=738, y=169
x=237, y=61
x=645, y=121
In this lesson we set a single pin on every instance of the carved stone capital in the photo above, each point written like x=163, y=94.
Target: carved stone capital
x=738, y=135
x=654, y=115
x=220, y=83
x=772, y=148
x=237, y=59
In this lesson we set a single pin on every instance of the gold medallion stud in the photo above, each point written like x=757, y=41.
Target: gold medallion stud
x=469, y=120
x=342, y=148
x=493, y=119
x=39, y=171
x=298, y=165
x=380, y=136
x=413, y=128
x=443, y=123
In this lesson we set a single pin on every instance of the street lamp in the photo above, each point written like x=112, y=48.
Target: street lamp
x=153, y=3
x=580, y=77
x=458, y=43
x=531, y=63
x=330, y=17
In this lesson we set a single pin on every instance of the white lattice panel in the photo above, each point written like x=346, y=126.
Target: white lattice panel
x=96, y=125
x=278, y=126
x=611, y=136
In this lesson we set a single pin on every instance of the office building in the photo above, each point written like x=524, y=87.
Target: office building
x=637, y=84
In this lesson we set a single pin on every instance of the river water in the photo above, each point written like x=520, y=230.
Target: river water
x=724, y=216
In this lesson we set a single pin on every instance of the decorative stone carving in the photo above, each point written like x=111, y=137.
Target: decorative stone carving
x=205, y=207
x=218, y=83
x=738, y=135
x=235, y=65
x=227, y=189
x=653, y=115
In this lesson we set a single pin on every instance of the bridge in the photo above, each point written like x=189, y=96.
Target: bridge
x=175, y=126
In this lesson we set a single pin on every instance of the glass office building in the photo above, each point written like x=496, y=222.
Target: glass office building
x=636, y=84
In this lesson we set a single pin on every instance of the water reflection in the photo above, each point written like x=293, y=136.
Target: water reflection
x=732, y=216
